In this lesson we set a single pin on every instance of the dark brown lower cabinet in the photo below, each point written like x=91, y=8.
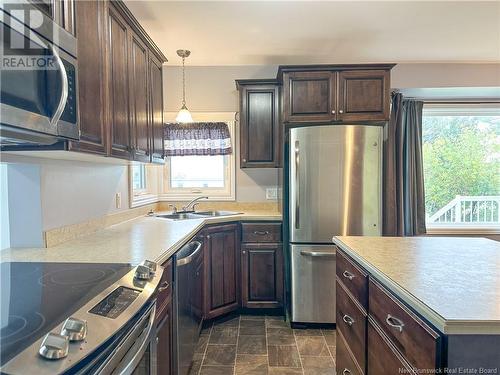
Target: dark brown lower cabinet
x=345, y=363
x=164, y=342
x=221, y=270
x=383, y=357
x=261, y=275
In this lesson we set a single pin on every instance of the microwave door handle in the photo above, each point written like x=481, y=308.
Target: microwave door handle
x=64, y=94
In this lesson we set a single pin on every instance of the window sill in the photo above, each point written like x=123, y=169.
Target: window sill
x=188, y=197
x=143, y=199
x=463, y=229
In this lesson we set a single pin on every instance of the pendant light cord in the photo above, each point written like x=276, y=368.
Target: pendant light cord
x=183, y=83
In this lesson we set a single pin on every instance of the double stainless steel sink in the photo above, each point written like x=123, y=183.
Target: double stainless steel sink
x=196, y=215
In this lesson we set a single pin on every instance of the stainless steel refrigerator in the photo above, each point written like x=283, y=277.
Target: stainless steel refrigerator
x=334, y=189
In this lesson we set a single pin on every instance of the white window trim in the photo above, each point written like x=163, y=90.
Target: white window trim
x=229, y=194
x=462, y=229
x=145, y=196
x=461, y=109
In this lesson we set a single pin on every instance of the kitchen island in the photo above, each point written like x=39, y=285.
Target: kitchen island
x=434, y=301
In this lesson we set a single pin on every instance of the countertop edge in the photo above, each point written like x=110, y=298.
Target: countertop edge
x=448, y=327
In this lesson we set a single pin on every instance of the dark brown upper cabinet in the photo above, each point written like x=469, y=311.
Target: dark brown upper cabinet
x=91, y=74
x=364, y=95
x=335, y=93
x=156, y=109
x=260, y=134
x=309, y=96
x=138, y=77
x=120, y=84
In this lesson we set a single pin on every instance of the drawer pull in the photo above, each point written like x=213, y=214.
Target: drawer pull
x=261, y=233
x=346, y=372
x=348, y=275
x=394, y=322
x=164, y=285
x=348, y=320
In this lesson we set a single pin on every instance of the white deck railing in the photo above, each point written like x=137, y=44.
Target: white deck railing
x=472, y=209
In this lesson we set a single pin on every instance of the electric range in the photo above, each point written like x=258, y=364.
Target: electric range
x=58, y=317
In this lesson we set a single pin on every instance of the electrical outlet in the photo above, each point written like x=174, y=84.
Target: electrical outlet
x=118, y=200
x=272, y=193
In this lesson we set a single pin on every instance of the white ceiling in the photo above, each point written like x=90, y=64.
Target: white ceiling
x=305, y=32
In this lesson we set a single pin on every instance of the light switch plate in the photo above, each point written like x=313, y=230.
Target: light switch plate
x=272, y=193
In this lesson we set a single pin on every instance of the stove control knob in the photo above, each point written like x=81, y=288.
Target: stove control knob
x=151, y=265
x=74, y=329
x=142, y=272
x=54, y=346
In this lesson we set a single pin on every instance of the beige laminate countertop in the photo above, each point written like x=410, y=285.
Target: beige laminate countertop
x=453, y=282
x=132, y=241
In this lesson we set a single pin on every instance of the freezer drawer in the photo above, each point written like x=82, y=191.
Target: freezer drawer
x=313, y=283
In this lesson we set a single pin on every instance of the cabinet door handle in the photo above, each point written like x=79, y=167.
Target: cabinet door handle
x=346, y=372
x=348, y=320
x=261, y=233
x=244, y=160
x=348, y=275
x=394, y=322
x=333, y=111
x=164, y=285
x=341, y=111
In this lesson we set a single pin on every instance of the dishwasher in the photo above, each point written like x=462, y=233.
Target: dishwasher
x=188, y=315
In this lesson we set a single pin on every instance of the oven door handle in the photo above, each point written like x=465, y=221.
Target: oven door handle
x=128, y=364
x=64, y=92
x=131, y=357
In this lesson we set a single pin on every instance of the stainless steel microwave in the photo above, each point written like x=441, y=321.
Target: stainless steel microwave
x=38, y=78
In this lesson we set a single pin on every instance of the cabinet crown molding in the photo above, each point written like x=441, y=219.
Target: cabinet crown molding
x=330, y=67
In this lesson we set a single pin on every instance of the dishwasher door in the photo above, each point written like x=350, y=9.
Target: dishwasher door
x=313, y=283
x=187, y=318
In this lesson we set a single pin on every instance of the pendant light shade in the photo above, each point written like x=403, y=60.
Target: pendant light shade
x=183, y=116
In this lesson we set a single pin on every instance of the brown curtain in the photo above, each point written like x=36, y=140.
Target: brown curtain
x=403, y=196
x=197, y=138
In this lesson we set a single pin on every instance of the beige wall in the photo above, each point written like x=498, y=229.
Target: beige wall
x=445, y=75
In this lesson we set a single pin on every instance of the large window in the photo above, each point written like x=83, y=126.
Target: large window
x=461, y=152
x=186, y=177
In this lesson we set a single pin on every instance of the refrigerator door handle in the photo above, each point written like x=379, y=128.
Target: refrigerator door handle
x=297, y=185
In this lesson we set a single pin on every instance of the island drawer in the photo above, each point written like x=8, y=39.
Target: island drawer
x=351, y=321
x=353, y=277
x=345, y=364
x=383, y=357
x=261, y=232
x=413, y=338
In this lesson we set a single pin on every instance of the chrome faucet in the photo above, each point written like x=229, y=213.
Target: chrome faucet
x=190, y=206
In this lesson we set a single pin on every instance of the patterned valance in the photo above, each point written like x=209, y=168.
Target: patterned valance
x=197, y=138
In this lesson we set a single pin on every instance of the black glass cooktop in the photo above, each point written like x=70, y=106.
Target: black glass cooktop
x=35, y=297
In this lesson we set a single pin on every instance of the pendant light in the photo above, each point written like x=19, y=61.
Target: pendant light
x=183, y=116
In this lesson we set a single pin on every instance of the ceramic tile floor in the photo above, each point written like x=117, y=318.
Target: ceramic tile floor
x=263, y=345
